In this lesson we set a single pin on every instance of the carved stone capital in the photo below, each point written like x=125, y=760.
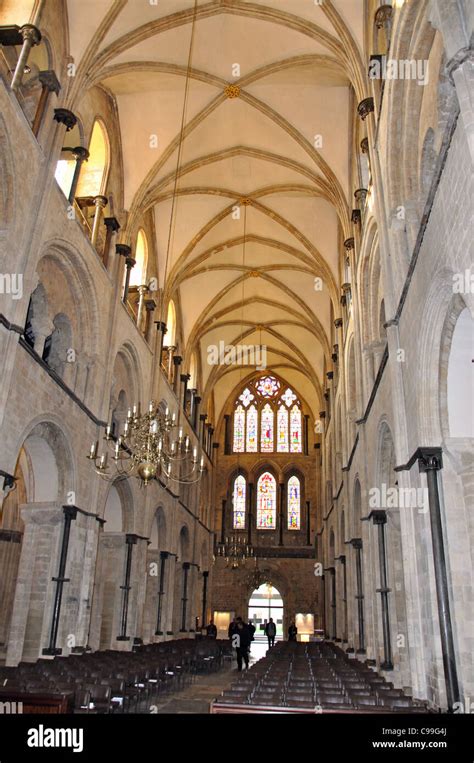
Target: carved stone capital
x=123, y=250
x=66, y=118
x=365, y=107
x=31, y=33
x=49, y=80
x=112, y=224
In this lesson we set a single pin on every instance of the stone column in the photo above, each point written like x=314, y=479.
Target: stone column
x=177, y=360
x=161, y=329
x=333, y=604
x=430, y=463
x=150, y=307
x=250, y=513
x=80, y=155
x=32, y=606
x=130, y=541
x=184, y=599
x=184, y=378
x=31, y=36
x=205, y=576
x=356, y=544
x=379, y=518
x=129, y=264
x=123, y=250
x=142, y=291
x=169, y=600
x=100, y=202
x=161, y=592
x=192, y=398
x=70, y=513
x=170, y=349
x=50, y=84
x=202, y=419
x=342, y=560
x=281, y=513
x=112, y=225
x=197, y=403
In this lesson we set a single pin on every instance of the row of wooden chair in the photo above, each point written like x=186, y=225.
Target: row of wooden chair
x=316, y=675
x=116, y=681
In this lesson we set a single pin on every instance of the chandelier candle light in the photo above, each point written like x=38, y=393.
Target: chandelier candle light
x=235, y=551
x=152, y=445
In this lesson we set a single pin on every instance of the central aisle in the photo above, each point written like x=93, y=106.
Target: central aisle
x=197, y=698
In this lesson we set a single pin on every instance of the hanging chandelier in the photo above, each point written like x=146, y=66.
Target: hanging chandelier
x=256, y=578
x=152, y=446
x=235, y=551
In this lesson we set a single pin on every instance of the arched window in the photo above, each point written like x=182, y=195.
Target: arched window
x=266, y=440
x=460, y=378
x=138, y=272
x=264, y=401
x=282, y=429
x=295, y=427
x=93, y=177
x=238, y=503
x=266, y=502
x=66, y=165
x=192, y=384
x=171, y=325
x=294, y=503
x=239, y=430
x=252, y=423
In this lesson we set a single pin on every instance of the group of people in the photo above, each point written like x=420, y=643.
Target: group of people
x=242, y=634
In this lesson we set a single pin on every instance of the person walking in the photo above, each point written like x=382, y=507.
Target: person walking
x=241, y=641
x=232, y=627
x=270, y=632
x=292, y=632
x=251, y=628
x=211, y=630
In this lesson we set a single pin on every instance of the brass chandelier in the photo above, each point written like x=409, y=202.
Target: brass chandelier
x=151, y=446
x=235, y=551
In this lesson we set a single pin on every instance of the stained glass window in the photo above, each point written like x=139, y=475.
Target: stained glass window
x=252, y=424
x=295, y=430
x=266, y=439
x=268, y=386
x=294, y=504
x=246, y=397
x=239, y=427
x=267, y=418
x=288, y=397
x=238, y=499
x=266, y=502
x=282, y=430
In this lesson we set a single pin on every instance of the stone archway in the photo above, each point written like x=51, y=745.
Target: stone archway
x=266, y=602
x=46, y=480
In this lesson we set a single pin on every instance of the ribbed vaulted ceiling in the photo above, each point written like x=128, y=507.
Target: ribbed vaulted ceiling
x=299, y=62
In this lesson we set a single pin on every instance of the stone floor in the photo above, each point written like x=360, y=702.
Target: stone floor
x=198, y=697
